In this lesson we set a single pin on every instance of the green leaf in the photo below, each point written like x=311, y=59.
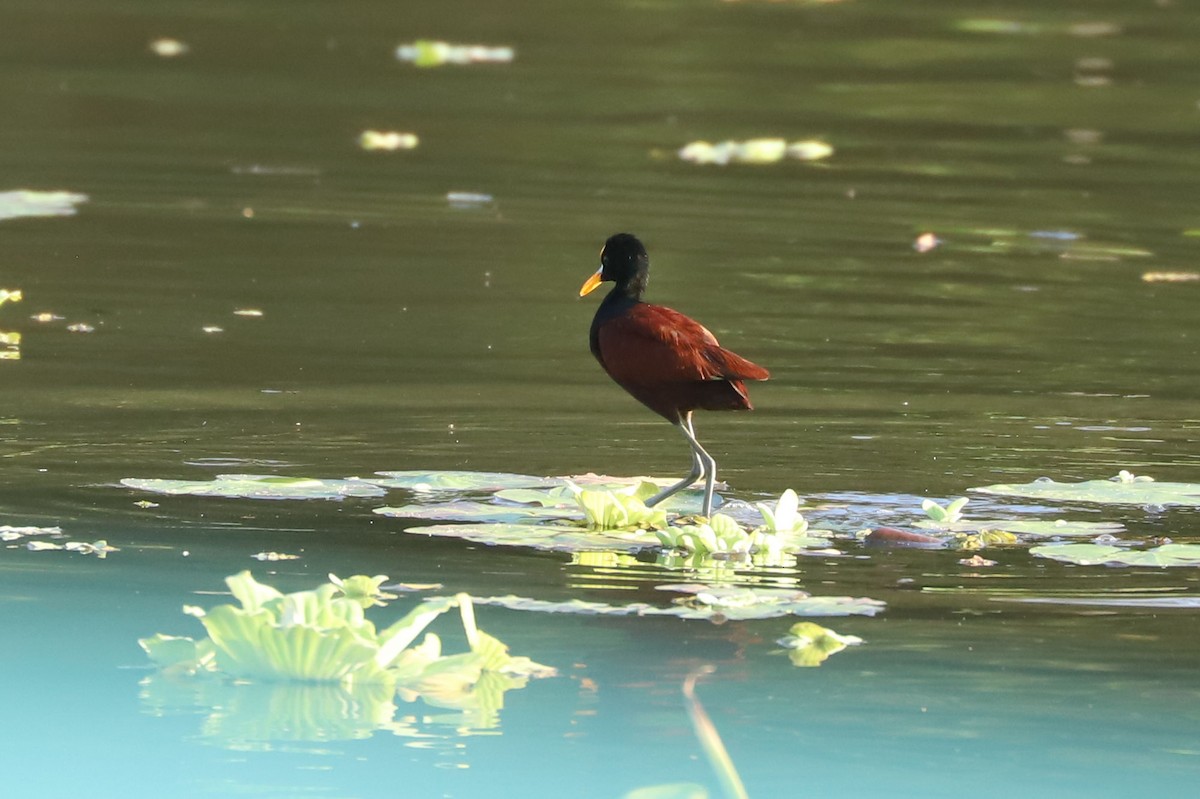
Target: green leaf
x=707, y=602
x=469, y=511
x=253, y=646
x=785, y=516
x=1125, y=489
x=172, y=651
x=461, y=481
x=1028, y=527
x=812, y=644
x=259, y=486
x=619, y=510
x=549, y=537
x=364, y=590
x=1163, y=556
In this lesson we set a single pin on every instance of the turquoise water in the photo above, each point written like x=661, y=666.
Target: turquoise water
x=1051, y=152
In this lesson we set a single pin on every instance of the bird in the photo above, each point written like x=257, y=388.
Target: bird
x=669, y=362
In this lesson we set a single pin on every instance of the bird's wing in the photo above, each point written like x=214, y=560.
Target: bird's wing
x=651, y=343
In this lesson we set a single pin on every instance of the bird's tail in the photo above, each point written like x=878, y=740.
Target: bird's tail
x=735, y=367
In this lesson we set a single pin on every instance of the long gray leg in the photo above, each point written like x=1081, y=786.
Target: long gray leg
x=707, y=463
x=702, y=464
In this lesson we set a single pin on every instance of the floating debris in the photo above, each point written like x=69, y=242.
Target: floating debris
x=976, y=561
x=46, y=316
x=10, y=342
x=466, y=199
x=145, y=503
x=213, y=329
x=15, y=204
x=926, y=242
x=255, y=312
x=387, y=140
x=1093, y=29
x=81, y=327
x=284, y=171
x=426, y=53
x=274, y=556
x=168, y=48
x=11, y=533
x=41, y=546
x=1170, y=277
x=753, y=151
x=100, y=548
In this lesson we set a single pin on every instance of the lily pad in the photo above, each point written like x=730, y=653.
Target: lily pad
x=259, y=486
x=1125, y=489
x=1029, y=527
x=548, y=537
x=1097, y=554
x=483, y=482
x=560, y=496
x=468, y=511
x=707, y=602
x=1187, y=602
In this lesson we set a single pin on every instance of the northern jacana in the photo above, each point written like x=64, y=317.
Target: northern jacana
x=667, y=361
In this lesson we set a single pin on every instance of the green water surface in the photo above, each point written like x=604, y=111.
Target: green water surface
x=1050, y=148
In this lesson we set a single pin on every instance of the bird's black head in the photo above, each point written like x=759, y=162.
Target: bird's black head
x=622, y=261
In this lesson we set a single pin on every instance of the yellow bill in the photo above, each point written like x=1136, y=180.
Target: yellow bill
x=592, y=282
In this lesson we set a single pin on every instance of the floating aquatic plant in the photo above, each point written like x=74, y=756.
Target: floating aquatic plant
x=549, y=537
x=947, y=515
x=703, y=601
x=622, y=509
x=1102, y=554
x=810, y=644
x=259, y=486
x=309, y=666
x=785, y=517
x=461, y=481
x=364, y=590
x=322, y=635
x=720, y=536
x=1123, y=489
